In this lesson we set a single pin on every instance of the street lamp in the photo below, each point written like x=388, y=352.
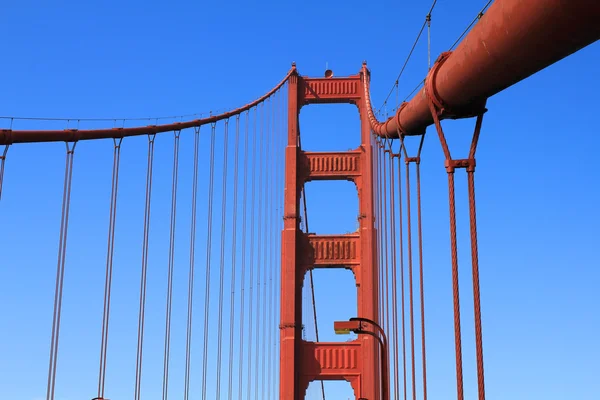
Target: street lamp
x=357, y=325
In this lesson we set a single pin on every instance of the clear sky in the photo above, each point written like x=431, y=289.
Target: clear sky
x=538, y=188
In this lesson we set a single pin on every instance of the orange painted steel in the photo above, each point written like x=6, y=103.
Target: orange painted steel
x=9, y=136
x=513, y=40
x=357, y=361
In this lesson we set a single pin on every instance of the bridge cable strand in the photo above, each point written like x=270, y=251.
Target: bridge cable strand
x=2, y=163
x=270, y=207
x=143, y=279
x=379, y=227
x=8, y=136
x=394, y=273
x=267, y=135
x=60, y=271
x=451, y=165
x=188, y=340
x=477, y=18
x=421, y=277
x=222, y=259
x=386, y=241
x=252, y=264
x=233, y=255
x=402, y=274
x=410, y=53
x=109, y=265
x=169, y=303
x=259, y=250
x=243, y=254
x=280, y=201
x=408, y=160
x=209, y=220
x=310, y=271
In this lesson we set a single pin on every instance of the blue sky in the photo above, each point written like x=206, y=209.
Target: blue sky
x=537, y=188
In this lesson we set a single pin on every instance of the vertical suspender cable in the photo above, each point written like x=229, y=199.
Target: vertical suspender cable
x=270, y=207
x=109, y=264
x=252, y=231
x=168, y=313
x=385, y=241
x=259, y=247
x=394, y=273
x=188, y=340
x=234, y=256
x=2, y=162
x=420, y=233
x=60, y=271
x=401, y=241
x=243, y=328
x=145, y=248
x=379, y=230
x=410, y=278
x=211, y=184
x=222, y=260
x=267, y=221
x=475, y=263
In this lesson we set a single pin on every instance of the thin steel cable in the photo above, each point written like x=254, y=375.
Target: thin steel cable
x=188, y=339
x=60, y=271
x=252, y=232
x=222, y=260
x=267, y=135
x=209, y=221
x=243, y=266
x=421, y=275
x=477, y=18
x=143, y=280
x=260, y=248
x=169, y=306
x=109, y=265
x=271, y=208
x=427, y=18
x=394, y=274
x=234, y=255
x=411, y=279
x=2, y=163
x=401, y=241
x=379, y=231
x=385, y=242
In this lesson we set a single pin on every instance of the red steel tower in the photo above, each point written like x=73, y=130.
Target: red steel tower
x=356, y=361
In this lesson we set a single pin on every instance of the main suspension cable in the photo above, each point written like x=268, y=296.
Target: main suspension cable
x=188, y=341
x=145, y=249
x=109, y=265
x=60, y=271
